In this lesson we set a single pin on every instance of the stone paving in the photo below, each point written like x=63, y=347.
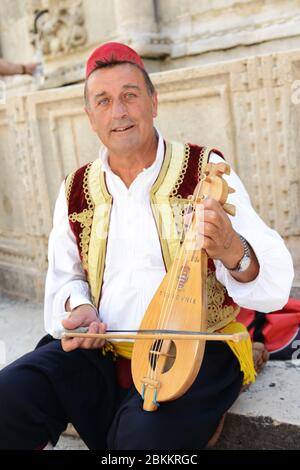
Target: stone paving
x=21, y=327
x=266, y=416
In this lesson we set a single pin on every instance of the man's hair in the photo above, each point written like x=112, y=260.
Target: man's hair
x=112, y=63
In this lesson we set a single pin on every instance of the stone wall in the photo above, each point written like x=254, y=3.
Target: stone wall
x=206, y=30
x=248, y=108
x=167, y=33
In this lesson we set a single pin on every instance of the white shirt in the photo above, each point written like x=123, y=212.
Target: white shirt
x=134, y=264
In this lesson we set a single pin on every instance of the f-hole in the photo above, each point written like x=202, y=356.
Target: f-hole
x=162, y=355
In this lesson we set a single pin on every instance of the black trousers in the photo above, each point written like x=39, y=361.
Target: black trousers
x=46, y=389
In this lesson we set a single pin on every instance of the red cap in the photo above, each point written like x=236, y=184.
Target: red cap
x=112, y=51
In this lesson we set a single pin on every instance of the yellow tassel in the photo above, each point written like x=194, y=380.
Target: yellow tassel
x=109, y=347
x=242, y=350
x=124, y=348
x=118, y=348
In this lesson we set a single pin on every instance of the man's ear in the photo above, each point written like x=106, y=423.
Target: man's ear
x=154, y=104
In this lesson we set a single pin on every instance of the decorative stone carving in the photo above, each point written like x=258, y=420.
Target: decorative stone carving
x=262, y=102
x=243, y=107
x=59, y=28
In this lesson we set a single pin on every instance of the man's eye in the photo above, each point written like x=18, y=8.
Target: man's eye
x=103, y=102
x=130, y=95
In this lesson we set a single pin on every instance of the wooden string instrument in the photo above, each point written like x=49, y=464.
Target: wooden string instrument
x=163, y=370
x=172, y=334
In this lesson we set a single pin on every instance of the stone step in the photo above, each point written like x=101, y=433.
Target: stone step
x=266, y=416
x=67, y=442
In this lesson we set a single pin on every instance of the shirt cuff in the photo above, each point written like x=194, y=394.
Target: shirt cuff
x=77, y=299
x=77, y=291
x=270, y=289
x=237, y=290
x=81, y=296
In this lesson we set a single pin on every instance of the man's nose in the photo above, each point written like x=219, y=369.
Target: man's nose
x=118, y=109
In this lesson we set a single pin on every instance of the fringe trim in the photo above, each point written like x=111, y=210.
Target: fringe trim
x=118, y=348
x=242, y=350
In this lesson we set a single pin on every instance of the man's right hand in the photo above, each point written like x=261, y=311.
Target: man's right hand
x=83, y=315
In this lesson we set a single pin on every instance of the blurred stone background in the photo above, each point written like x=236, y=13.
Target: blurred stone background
x=227, y=74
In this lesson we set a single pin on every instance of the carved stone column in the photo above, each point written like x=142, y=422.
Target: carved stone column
x=137, y=25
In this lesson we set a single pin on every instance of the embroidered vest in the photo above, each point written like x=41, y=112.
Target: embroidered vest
x=89, y=207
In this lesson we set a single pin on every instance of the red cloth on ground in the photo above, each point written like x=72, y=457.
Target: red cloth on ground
x=280, y=327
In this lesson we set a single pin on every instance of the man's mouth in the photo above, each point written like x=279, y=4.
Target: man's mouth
x=123, y=129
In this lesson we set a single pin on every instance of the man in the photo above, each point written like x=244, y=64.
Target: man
x=107, y=256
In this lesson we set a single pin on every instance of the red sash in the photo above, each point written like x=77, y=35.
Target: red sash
x=279, y=328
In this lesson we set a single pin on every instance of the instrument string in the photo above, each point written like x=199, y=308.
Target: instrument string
x=171, y=290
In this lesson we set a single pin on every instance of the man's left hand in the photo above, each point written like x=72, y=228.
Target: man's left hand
x=220, y=240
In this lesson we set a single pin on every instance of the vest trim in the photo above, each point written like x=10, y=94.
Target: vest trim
x=102, y=201
x=181, y=170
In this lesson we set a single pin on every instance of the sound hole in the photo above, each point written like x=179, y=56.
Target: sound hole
x=162, y=355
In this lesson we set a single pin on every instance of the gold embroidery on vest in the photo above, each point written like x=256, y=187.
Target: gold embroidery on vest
x=85, y=218
x=202, y=162
x=160, y=201
x=102, y=201
x=178, y=204
x=179, y=181
x=218, y=313
x=68, y=185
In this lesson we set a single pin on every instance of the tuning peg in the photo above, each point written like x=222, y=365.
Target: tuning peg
x=210, y=169
x=217, y=169
x=223, y=168
x=207, y=179
x=230, y=190
x=229, y=208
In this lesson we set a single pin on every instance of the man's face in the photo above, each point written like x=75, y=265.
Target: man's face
x=120, y=110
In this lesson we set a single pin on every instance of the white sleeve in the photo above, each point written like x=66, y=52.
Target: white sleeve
x=271, y=288
x=65, y=276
